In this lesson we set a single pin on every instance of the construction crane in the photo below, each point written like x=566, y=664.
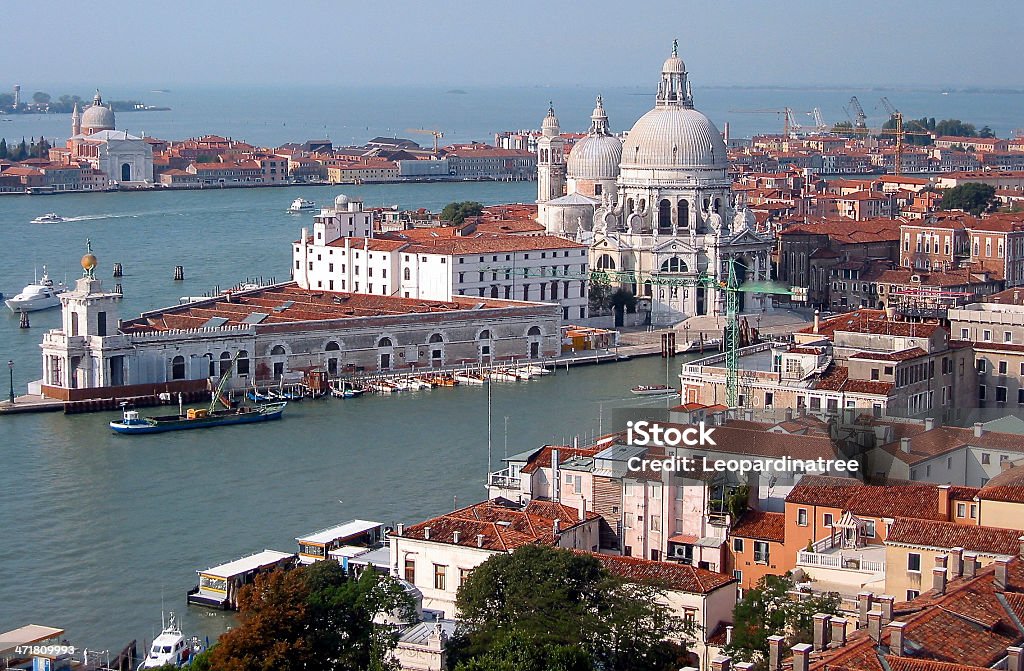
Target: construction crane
x=427, y=131
x=789, y=122
x=897, y=131
x=819, y=121
x=860, y=122
x=730, y=286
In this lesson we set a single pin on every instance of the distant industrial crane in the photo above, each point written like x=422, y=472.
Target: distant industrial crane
x=789, y=122
x=860, y=122
x=427, y=131
x=819, y=121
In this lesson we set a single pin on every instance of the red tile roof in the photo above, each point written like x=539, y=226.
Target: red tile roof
x=837, y=378
x=940, y=440
x=871, y=321
x=903, y=355
x=1008, y=486
x=677, y=577
x=945, y=535
x=896, y=499
x=762, y=526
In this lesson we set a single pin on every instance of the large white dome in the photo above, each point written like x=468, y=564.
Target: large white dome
x=595, y=157
x=97, y=116
x=674, y=137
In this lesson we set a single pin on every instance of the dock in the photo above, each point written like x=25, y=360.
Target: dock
x=219, y=586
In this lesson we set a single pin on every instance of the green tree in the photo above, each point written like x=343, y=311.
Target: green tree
x=770, y=610
x=457, y=212
x=985, y=132
x=972, y=197
x=6, y=100
x=314, y=617
x=599, y=295
x=623, y=299
x=955, y=127
x=556, y=598
x=3, y=147
x=517, y=651
x=41, y=98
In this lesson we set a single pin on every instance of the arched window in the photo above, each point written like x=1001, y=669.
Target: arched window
x=665, y=216
x=406, y=274
x=683, y=213
x=484, y=335
x=648, y=288
x=674, y=265
x=178, y=368
x=332, y=347
x=534, y=331
x=605, y=262
x=718, y=205
x=385, y=342
x=629, y=206
x=225, y=362
x=484, y=343
x=242, y=365
x=642, y=206
x=126, y=172
x=277, y=350
x=494, y=291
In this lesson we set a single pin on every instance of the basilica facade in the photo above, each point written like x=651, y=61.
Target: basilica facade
x=657, y=208
x=125, y=159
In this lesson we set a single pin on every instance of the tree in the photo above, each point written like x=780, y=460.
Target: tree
x=769, y=610
x=955, y=127
x=986, y=132
x=599, y=296
x=3, y=147
x=517, y=651
x=6, y=100
x=555, y=599
x=41, y=98
x=313, y=617
x=457, y=212
x=623, y=299
x=972, y=197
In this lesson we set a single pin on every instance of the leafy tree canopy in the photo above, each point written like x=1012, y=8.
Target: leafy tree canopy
x=459, y=211
x=972, y=197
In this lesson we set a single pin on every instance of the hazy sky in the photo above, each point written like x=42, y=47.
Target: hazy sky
x=473, y=43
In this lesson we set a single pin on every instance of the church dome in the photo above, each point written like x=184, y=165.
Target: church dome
x=341, y=201
x=674, y=137
x=595, y=157
x=97, y=116
x=549, y=127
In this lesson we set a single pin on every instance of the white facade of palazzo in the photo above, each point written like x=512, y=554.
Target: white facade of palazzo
x=125, y=159
x=658, y=204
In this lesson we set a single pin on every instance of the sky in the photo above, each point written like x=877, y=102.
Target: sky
x=908, y=43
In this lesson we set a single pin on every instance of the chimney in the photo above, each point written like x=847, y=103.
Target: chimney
x=896, y=638
x=941, y=561
x=817, y=321
x=864, y=602
x=721, y=663
x=556, y=527
x=979, y=429
x=929, y=423
x=400, y=529
x=1014, y=658
x=479, y=540
x=1001, y=564
x=821, y=631
x=789, y=414
x=556, y=482
x=970, y=564
x=956, y=563
x=583, y=508
x=838, y=637
x=885, y=603
x=801, y=656
x=875, y=624
x=939, y=580
x=775, y=653
x=426, y=533
x=944, y=501
x=728, y=634
x=905, y=444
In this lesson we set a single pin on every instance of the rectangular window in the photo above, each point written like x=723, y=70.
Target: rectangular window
x=912, y=594
x=1002, y=367
x=974, y=511
x=914, y=562
x=869, y=528
x=826, y=519
x=737, y=545
x=801, y=517
x=439, y=576
x=986, y=458
x=961, y=510
x=761, y=552
x=410, y=570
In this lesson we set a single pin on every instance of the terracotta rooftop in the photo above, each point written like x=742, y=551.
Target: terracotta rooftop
x=896, y=499
x=845, y=231
x=503, y=526
x=945, y=535
x=1008, y=486
x=288, y=303
x=837, y=378
x=942, y=439
x=542, y=457
x=902, y=355
x=762, y=526
x=870, y=321
x=677, y=577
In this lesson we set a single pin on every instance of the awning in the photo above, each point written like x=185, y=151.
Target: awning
x=685, y=539
x=850, y=521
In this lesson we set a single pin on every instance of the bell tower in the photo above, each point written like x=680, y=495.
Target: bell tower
x=550, y=159
x=88, y=310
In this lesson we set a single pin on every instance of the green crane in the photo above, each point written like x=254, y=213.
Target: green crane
x=730, y=286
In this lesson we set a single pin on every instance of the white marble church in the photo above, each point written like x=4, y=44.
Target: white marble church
x=658, y=204
x=125, y=159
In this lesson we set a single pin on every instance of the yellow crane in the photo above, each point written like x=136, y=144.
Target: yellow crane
x=428, y=131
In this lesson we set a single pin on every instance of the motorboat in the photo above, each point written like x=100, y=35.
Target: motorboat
x=49, y=218
x=653, y=390
x=301, y=205
x=469, y=378
x=700, y=345
x=39, y=295
x=172, y=648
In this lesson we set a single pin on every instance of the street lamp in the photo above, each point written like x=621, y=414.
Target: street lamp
x=10, y=367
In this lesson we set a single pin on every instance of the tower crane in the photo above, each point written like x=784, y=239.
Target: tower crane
x=789, y=122
x=819, y=122
x=860, y=123
x=427, y=131
x=897, y=131
x=730, y=286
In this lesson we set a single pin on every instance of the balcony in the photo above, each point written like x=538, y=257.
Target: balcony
x=866, y=559
x=504, y=479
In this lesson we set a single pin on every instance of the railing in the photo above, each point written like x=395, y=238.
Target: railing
x=502, y=480
x=839, y=561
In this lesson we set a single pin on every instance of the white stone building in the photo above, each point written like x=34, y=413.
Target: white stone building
x=125, y=159
x=342, y=255
x=657, y=206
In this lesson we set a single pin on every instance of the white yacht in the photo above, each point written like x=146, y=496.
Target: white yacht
x=301, y=205
x=39, y=295
x=172, y=648
x=50, y=218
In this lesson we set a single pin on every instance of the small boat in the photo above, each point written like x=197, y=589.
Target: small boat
x=171, y=648
x=469, y=378
x=199, y=418
x=40, y=295
x=502, y=376
x=422, y=383
x=301, y=205
x=404, y=385
x=700, y=345
x=534, y=370
x=653, y=390
x=382, y=387
x=49, y=218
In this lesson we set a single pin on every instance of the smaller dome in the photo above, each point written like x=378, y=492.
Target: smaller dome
x=341, y=201
x=97, y=116
x=744, y=219
x=674, y=64
x=595, y=157
x=550, y=126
